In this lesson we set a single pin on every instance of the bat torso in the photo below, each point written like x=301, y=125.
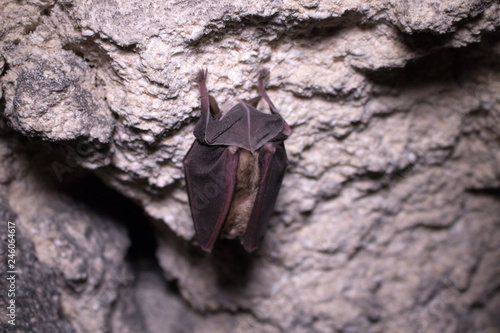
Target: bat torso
x=247, y=185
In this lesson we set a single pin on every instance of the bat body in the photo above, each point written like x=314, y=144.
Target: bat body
x=234, y=168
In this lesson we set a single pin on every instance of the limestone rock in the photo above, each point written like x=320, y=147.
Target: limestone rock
x=388, y=219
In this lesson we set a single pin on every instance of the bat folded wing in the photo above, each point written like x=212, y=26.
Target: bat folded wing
x=210, y=173
x=273, y=163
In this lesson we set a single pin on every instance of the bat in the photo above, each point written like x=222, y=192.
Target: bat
x=235, y=168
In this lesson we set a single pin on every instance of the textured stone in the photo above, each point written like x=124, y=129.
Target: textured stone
x=388, y=219
x=70, y=259
x=35, y=295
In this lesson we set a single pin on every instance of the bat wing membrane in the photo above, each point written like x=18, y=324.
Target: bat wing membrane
x=273, y=163
x=210, y=173
x=244, y=126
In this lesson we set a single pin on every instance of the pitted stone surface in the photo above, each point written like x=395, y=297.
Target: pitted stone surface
x=388, y=219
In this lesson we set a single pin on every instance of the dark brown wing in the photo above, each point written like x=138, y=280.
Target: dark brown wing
x=210, y=180
x=273, y=163
x=243, y=126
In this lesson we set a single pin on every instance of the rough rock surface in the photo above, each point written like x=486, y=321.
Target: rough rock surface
x=389, y=216
x=71, y=273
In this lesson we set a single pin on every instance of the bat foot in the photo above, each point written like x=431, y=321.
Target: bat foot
x=264, y=73
x=202, y=75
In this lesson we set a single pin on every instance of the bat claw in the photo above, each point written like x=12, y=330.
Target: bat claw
x=202, y=75
x=264, y=73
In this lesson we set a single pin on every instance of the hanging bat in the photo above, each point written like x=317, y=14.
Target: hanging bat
x=235, y=167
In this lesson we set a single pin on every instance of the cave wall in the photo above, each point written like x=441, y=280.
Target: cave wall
x=389, y=216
